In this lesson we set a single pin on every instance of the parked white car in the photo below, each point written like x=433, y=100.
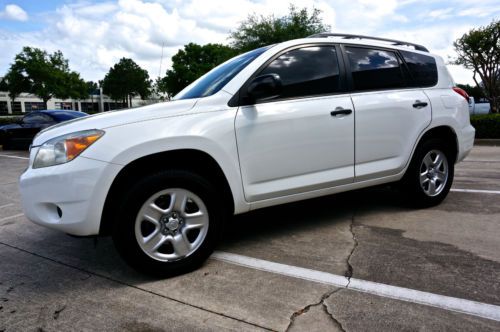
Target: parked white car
x=282, y=123
x=478, y=108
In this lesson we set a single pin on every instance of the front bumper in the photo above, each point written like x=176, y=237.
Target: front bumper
x=68, y=197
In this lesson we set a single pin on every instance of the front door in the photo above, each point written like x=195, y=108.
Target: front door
x=302, y=140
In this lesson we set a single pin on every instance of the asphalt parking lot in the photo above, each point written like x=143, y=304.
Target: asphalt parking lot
x=355, y=261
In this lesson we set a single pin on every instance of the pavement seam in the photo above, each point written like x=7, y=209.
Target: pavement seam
x=138, y=288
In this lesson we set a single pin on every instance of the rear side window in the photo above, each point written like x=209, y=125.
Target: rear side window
x=422, y=68
x=306, y=71
x=374, y=69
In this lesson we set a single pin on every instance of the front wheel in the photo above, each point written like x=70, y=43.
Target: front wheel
x=430, y=174
x=169, y=223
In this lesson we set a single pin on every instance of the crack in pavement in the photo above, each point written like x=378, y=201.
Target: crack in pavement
x=309, y=306
x=349, y=272
x=58, y=311
x=330, y=314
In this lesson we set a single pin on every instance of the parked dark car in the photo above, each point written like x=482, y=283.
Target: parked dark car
x=20, y=135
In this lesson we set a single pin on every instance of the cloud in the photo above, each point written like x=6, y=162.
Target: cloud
x=14, y=12
x=95, y=35
x=441, y=13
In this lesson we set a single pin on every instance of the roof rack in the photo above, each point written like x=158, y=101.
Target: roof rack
x=349, y=36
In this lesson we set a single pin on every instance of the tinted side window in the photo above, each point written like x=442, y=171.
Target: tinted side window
x=307, y=71
x=374, y=69
x=37, y=118
x=422, y=68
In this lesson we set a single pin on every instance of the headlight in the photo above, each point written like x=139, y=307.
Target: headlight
x=65, y=148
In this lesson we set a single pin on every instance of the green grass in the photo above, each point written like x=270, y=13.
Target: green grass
x=487, y=125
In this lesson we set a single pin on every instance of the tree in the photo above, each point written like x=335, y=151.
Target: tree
x=92, y=87
x=160, y=89
x=479, y=50
x=192, y=62
x=258, y=31
x=125, y=80
x=14, y=83
x=45, y=75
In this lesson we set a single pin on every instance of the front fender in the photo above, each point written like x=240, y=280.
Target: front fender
x=211, y=132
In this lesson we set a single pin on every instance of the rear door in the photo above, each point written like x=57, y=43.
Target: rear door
x=294, y=143
x=390, y=114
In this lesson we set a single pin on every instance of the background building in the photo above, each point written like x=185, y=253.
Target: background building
x=97, y=102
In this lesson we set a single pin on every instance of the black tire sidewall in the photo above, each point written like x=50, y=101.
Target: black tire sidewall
x=411, y=180
x=124, y=225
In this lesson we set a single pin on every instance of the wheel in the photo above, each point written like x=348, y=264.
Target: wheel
x=168, y=223
x=430, y=174
x=7, y=144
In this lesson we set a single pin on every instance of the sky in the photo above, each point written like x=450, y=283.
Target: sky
x=93, y=35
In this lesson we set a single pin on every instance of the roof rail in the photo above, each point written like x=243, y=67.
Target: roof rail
x=349, y=36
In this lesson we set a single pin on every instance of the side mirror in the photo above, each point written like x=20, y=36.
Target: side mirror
x=265, y=87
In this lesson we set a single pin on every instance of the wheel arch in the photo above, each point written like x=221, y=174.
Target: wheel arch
x=186, y=159
x=445, y=133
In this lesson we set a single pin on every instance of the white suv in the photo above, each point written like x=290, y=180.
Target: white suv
x=282, y=123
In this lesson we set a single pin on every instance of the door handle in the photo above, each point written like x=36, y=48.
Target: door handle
x=340, y=111
x=419, y=104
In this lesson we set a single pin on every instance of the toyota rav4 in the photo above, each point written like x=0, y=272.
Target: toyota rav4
x=287, y=122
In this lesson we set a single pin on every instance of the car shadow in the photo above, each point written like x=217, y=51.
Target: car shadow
x=312, y=213
x=98, y=256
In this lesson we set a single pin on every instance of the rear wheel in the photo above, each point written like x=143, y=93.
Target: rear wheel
x=169, y=223
x=430, y=174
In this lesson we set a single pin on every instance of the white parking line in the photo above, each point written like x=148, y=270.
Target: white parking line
x=15, y=157
x=477, y=191
x=474, y=308
x=481, y=161
x=6, y=205
x=12, y=217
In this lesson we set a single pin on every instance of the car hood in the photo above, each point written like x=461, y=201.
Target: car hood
x=116, y=118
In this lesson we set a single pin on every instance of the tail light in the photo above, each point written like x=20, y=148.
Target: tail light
x=461, y=92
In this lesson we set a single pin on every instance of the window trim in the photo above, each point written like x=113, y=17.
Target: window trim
x=404, y=72
x=239, y=98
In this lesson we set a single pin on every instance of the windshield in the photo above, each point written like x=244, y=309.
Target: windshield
x=215, y=79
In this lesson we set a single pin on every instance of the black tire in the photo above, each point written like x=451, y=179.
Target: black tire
x=7, y=145
x=124, y=227
x=410, y=184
